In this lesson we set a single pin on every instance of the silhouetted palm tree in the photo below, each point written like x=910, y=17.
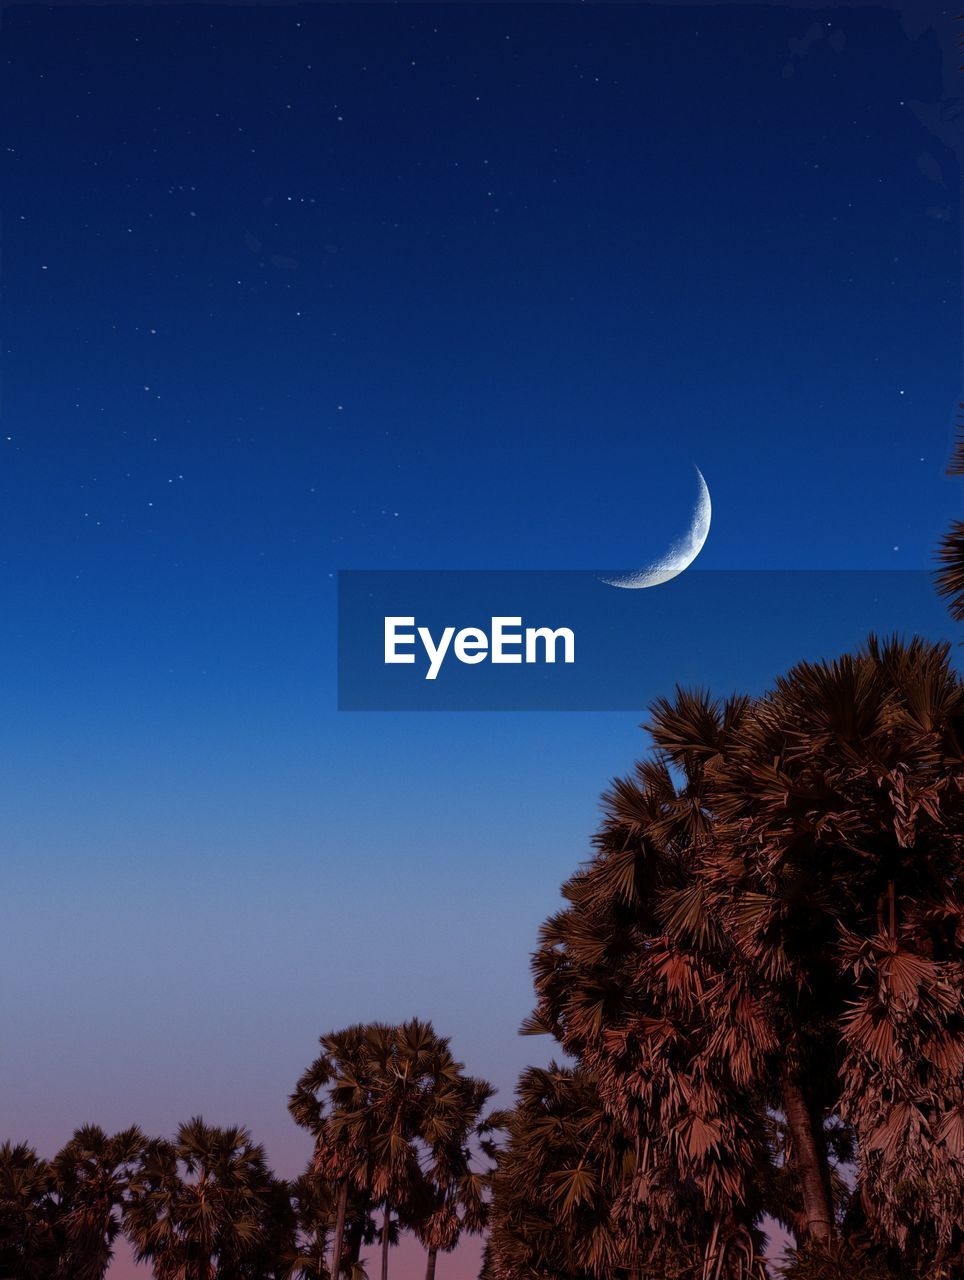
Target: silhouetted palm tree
x=408, y=1065
x=90, y=1177
x=455, y=1188
x=315, y=1208
x=331, y=1100
x=200, y=1206
x=379, y=1100
x=28, y=1245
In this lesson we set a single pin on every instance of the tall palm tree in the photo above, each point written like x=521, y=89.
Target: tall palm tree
x=28, y=1243
x=408, y=1066
x=200, y=1206
x=635, y=978
x=455, y=1188
x=360, y=1230
x=90, y=1178
x=773, y=924
x=315, y=1206
x=374, y=1100
x=331, y=1100
x=842, y=799
x=276, y=1254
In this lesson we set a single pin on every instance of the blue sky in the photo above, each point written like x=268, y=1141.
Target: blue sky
x=294, y=290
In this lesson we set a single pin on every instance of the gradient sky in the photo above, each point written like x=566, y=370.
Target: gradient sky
x=289, y=290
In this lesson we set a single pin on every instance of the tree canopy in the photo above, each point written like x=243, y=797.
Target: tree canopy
x=760, y=969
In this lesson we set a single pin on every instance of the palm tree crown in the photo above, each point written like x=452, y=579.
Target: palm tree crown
x=761, y=964
x=199, y=1206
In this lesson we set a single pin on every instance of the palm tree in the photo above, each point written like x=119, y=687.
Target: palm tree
x=331, y=1100
x=635, y=978
x=314, y=1209
x=360, y=1229
x=315, y=1206
x=456, y=1200
x=200, y=1206
x=843, y=801
x=90, y=1177
x=772, y=926
x=28, y=1246
x=558, y=1182
x=375, y=1102
x=408, y=1066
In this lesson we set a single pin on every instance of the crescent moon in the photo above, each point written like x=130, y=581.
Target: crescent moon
x=680, y=555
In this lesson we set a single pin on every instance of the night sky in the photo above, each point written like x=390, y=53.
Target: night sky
x=288, y=290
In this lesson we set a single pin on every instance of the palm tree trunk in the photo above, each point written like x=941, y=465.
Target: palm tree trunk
x=386, y=1223
x=339, y=1242
x=811, y=1174
x=353, y=1242
x=430, y=1264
